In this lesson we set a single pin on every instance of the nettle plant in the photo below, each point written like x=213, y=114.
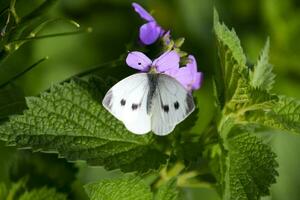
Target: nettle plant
x=230, y=155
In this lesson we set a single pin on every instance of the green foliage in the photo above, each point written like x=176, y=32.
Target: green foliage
x=71, y=121
x=19, y=191
x=250, y=168
x=247, y=98
x=43, y=193
x=130, y=187
x=262, y=75
x=247, y=166
x=125, y=188
x=167, y=191
x=37, y=166
x=18, y=29
x=232, y=60
x=37, y=170
x=284, y=115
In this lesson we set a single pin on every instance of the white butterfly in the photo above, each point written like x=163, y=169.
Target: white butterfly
x=150, y=101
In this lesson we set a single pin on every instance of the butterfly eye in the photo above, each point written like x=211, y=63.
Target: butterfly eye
x=176, y=105
x=166, y=108
x=139, y=63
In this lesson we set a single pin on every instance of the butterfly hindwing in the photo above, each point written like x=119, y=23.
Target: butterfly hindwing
x=127, y=102
x=171, y=104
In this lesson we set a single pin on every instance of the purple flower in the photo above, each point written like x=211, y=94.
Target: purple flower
x=167, y=61
x=188, y=76
x=150, y=31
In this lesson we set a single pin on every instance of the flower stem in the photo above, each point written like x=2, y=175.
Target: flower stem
x=13, y=10
x=87, y=30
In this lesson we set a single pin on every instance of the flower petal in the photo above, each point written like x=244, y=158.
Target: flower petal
x=197, y=80
x=138, y=60
x=142, y=12
x=187, y=76
x=149, y=33
x=192, y=64
x=182, y=75
x=167, y=61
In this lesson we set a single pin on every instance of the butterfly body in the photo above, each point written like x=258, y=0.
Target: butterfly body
x=147, y=102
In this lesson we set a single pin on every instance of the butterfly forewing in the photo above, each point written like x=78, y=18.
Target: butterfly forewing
x=171, y=104
x=127, y=102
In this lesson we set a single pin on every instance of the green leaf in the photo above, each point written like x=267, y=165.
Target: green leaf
x=232, y=59
x=247, y=98
x=36, y=166
x=284, y=115
x=250, y=168
x=125, y=188
x=167, y=191
x=44, y=194
x=262, y=75
x=71, y=121
x=19, y=191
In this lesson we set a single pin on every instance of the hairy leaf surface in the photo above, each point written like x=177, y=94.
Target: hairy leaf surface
x=262, y=75
x=232, y=59
x=70, y=120
x=43, y=193
x=125, y=188
x=284, y=115
x=248, y=98
x=167, y=191
x=250, y=168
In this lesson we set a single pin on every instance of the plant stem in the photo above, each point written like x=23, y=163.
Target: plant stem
x=13, y=10
x=167, y=175
x=88, y=30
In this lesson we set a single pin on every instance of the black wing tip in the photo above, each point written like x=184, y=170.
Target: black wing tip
x=190, y=104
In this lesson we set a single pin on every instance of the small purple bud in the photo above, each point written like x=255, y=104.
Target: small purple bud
x=142, y=12
x=150, y=31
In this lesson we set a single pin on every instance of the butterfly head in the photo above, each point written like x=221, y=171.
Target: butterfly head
x=153, y=70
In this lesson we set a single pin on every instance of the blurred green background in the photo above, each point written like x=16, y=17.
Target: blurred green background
x=115, y=26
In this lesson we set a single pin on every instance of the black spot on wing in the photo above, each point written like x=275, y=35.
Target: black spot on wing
x=176, y=105
x=123, y=102
x=166, y=108
x=190, y=103
x=134, y=106
x=107, y=99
